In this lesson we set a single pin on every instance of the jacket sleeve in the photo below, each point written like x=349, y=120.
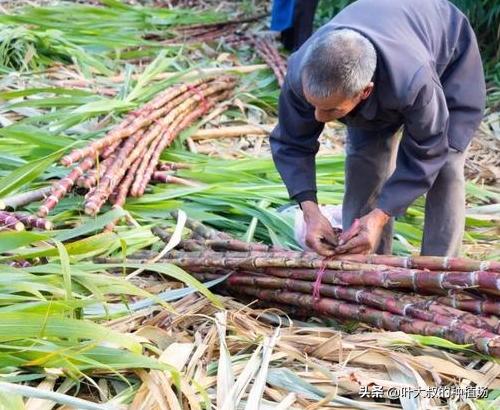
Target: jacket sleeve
x=423, y=148
x=294, y=144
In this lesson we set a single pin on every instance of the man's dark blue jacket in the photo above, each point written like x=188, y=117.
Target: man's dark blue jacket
x=429, y=79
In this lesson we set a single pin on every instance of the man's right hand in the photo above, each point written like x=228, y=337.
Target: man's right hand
x=320, y=235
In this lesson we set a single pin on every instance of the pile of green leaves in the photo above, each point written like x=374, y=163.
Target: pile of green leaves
x=94, y=36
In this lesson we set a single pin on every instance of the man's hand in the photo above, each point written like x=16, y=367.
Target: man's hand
x=365, y=237
x=320, y=235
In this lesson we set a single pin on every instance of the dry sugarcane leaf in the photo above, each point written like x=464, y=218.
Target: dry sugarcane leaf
x=149, y=393
x=324, y=350
x=287, y=402
x=243, y=380
x=446, y=367
x=257, y=391
x=156, y=335
x=225, y=375
x=163, y=381
x=41, y=404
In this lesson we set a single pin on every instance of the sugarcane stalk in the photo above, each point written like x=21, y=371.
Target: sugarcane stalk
x=172, y=166
x=296, y=266
x=110, y=150
x=395, y=277
x=224, y=23
x=114, y=173
x=32, y=221
x=134, y=121
x=482, y=340
x=431, y=305
x=167, y=138
x=425, y=262
x=233, y=131
x=122, y=191
x=25, y=198
x=62, y=187
x=163, y=142
x=10, y=222
x=229, y=245
x=136, y=188
x=95, y=174
x=135, y=145
x=21, y=263
x=225, y=260
x=479, y=306
x=171, y=179
x=395, y=302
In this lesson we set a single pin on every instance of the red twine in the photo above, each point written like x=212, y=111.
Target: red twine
x=319, y=277
x=203, y=100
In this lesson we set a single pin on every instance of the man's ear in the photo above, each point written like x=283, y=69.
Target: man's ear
x=367, y=91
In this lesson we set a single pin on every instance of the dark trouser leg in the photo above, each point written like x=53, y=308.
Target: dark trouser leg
x=369, y=162
x=445, y=209
x=302, y=28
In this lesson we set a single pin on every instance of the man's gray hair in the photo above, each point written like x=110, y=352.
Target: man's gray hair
x=340, y=61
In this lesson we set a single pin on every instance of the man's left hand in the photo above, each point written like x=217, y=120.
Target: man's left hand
x=365, y=237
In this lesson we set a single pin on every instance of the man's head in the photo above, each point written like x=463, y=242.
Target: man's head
x=337, y=72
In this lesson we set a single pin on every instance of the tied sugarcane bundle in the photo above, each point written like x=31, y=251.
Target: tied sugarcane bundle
x=453, y=298
x=127, y=158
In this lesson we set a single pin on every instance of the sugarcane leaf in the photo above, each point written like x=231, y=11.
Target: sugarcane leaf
x=33, y=135
x=21, y=390
x=26, y=173
x=91, y=225
x=10, y=240
x=65, y=268
x=11, y=401
x=174, y=272
x=19, y=326
x=440, y=342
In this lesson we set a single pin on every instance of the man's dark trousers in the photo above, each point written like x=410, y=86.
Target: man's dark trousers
x=371, y=160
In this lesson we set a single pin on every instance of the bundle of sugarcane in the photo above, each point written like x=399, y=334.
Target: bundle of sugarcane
x=266, y=49
x=452, y=298
x=123, y=162
x=17, y=221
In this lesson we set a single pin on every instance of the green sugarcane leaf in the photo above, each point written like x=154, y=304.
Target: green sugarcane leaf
x=92, y=225
x=20, y=326
x=11, y=401
x=65, y=268
x=174, y=272
x=10, y=240
x=440, y=342
x=26, y=173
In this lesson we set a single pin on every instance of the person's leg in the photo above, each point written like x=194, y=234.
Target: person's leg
x=369, y=162
x=293, y=37
x=445, y=209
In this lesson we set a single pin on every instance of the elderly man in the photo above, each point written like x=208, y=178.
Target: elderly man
x=378, y=66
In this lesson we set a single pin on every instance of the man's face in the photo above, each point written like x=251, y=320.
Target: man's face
x=337, y=105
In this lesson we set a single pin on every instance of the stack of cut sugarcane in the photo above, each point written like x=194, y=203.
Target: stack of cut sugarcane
x=123, y=162
x=453, y=298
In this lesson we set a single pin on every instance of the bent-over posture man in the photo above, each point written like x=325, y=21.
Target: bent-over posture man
x=377, y=66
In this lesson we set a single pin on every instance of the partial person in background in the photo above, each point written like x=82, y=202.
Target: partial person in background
x=294, y=19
